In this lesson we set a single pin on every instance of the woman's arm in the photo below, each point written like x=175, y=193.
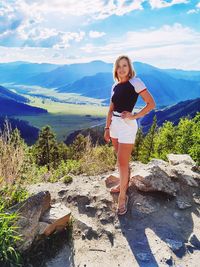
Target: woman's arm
x=150, y=104
x=109, y=116
x=108, y=122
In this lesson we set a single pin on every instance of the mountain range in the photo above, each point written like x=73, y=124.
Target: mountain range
x=172, y=113
x=94, y=79
x=14, y=104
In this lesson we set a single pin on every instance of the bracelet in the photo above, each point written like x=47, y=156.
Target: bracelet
x=106, y=128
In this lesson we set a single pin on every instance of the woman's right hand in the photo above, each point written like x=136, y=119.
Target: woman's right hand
x=107, y=135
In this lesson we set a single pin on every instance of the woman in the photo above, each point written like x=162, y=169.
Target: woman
x=121, y=125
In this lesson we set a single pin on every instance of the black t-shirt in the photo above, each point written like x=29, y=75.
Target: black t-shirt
x=124, y=95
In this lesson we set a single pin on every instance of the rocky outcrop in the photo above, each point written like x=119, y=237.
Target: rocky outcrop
x=163, y=200
x=38, y=217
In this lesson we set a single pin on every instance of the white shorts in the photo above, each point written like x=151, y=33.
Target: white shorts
x=124, y=130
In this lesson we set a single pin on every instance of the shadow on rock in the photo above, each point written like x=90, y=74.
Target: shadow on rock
x=44, y=250
x=157, y=212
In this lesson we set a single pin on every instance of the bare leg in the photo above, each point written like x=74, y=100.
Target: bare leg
x=123, y=157
x=115, y=144
x=115, y=189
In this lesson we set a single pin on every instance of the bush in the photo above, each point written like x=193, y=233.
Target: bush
x=67, y=179
x=97, y=160
x=12, y=149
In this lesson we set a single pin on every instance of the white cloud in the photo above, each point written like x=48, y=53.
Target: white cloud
x=164, y=3
x=194, y=10
x=169, y=46
x=96, y=34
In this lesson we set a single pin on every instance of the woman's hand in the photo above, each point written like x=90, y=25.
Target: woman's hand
x=127, y=114
x=107, y=135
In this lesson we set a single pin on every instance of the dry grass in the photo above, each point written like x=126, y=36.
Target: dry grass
x=11, y=157
x=97, y=159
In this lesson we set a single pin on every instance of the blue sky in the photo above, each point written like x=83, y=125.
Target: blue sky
x=163, y=33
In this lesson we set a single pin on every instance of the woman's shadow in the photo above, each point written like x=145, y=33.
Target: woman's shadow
x=157, y=212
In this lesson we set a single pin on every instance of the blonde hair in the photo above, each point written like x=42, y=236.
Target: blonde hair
x=116, y=64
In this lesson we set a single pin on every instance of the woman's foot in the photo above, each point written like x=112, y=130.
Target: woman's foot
x=122, y=208
x=115, y=189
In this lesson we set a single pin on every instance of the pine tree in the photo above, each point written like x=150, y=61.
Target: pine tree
x=147, y=148
x=46, y=148
x=138, y=144
x=184, y=135
x=165, y=140
x=194, y=150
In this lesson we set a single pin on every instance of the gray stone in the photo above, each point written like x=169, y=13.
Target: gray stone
x=175, y=159
x=183, y=205
x=57, y=217
x=194, y=241
x=30, y=212
x=173, y=244
x=153, y=178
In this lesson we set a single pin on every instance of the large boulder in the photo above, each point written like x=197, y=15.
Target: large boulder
x=153, y=178
x=30, y=212
x=38, y=217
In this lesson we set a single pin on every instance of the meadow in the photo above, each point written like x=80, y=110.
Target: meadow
x=65, y=118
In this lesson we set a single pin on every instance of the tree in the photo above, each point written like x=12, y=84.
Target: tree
x=165, y=140
x=46, y=148
x=138, y=144
x=147, y=148
x=184, y=135
x=194, y=150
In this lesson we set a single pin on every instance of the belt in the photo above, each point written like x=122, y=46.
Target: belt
x=116, y=114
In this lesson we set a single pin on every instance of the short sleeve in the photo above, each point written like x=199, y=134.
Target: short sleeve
x=138, y=85
x=112, y=90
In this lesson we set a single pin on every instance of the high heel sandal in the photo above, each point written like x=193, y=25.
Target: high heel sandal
x=123, y=209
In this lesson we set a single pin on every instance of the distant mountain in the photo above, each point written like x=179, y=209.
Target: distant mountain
x=183, y=74
x=165, y=89
x=11, y=107
x=14, y=104
x=98, y=86
x=20, y=72
x=5, y=93
x=172, y=113
x=94, y=79
x=67, y=74
x=28, y=132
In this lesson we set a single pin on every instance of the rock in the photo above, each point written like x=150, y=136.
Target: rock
x=57, y=217
x=182, y=204
x=194, y=241
x=197, y=199
x=145, y=204
x=173, y=244
x=158, y=162
x=41, y=227
x=143, y=256
x=175, y=159
x=153, y=178
x=87, y=229
x=185, y=175
x=62, y=192
x=30, y=212
x=169, y=261
x=176, y=215
x=111, y=181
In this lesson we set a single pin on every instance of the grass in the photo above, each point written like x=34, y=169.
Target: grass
x=65, y=118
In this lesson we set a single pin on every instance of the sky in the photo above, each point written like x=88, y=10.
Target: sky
x=163, y=33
